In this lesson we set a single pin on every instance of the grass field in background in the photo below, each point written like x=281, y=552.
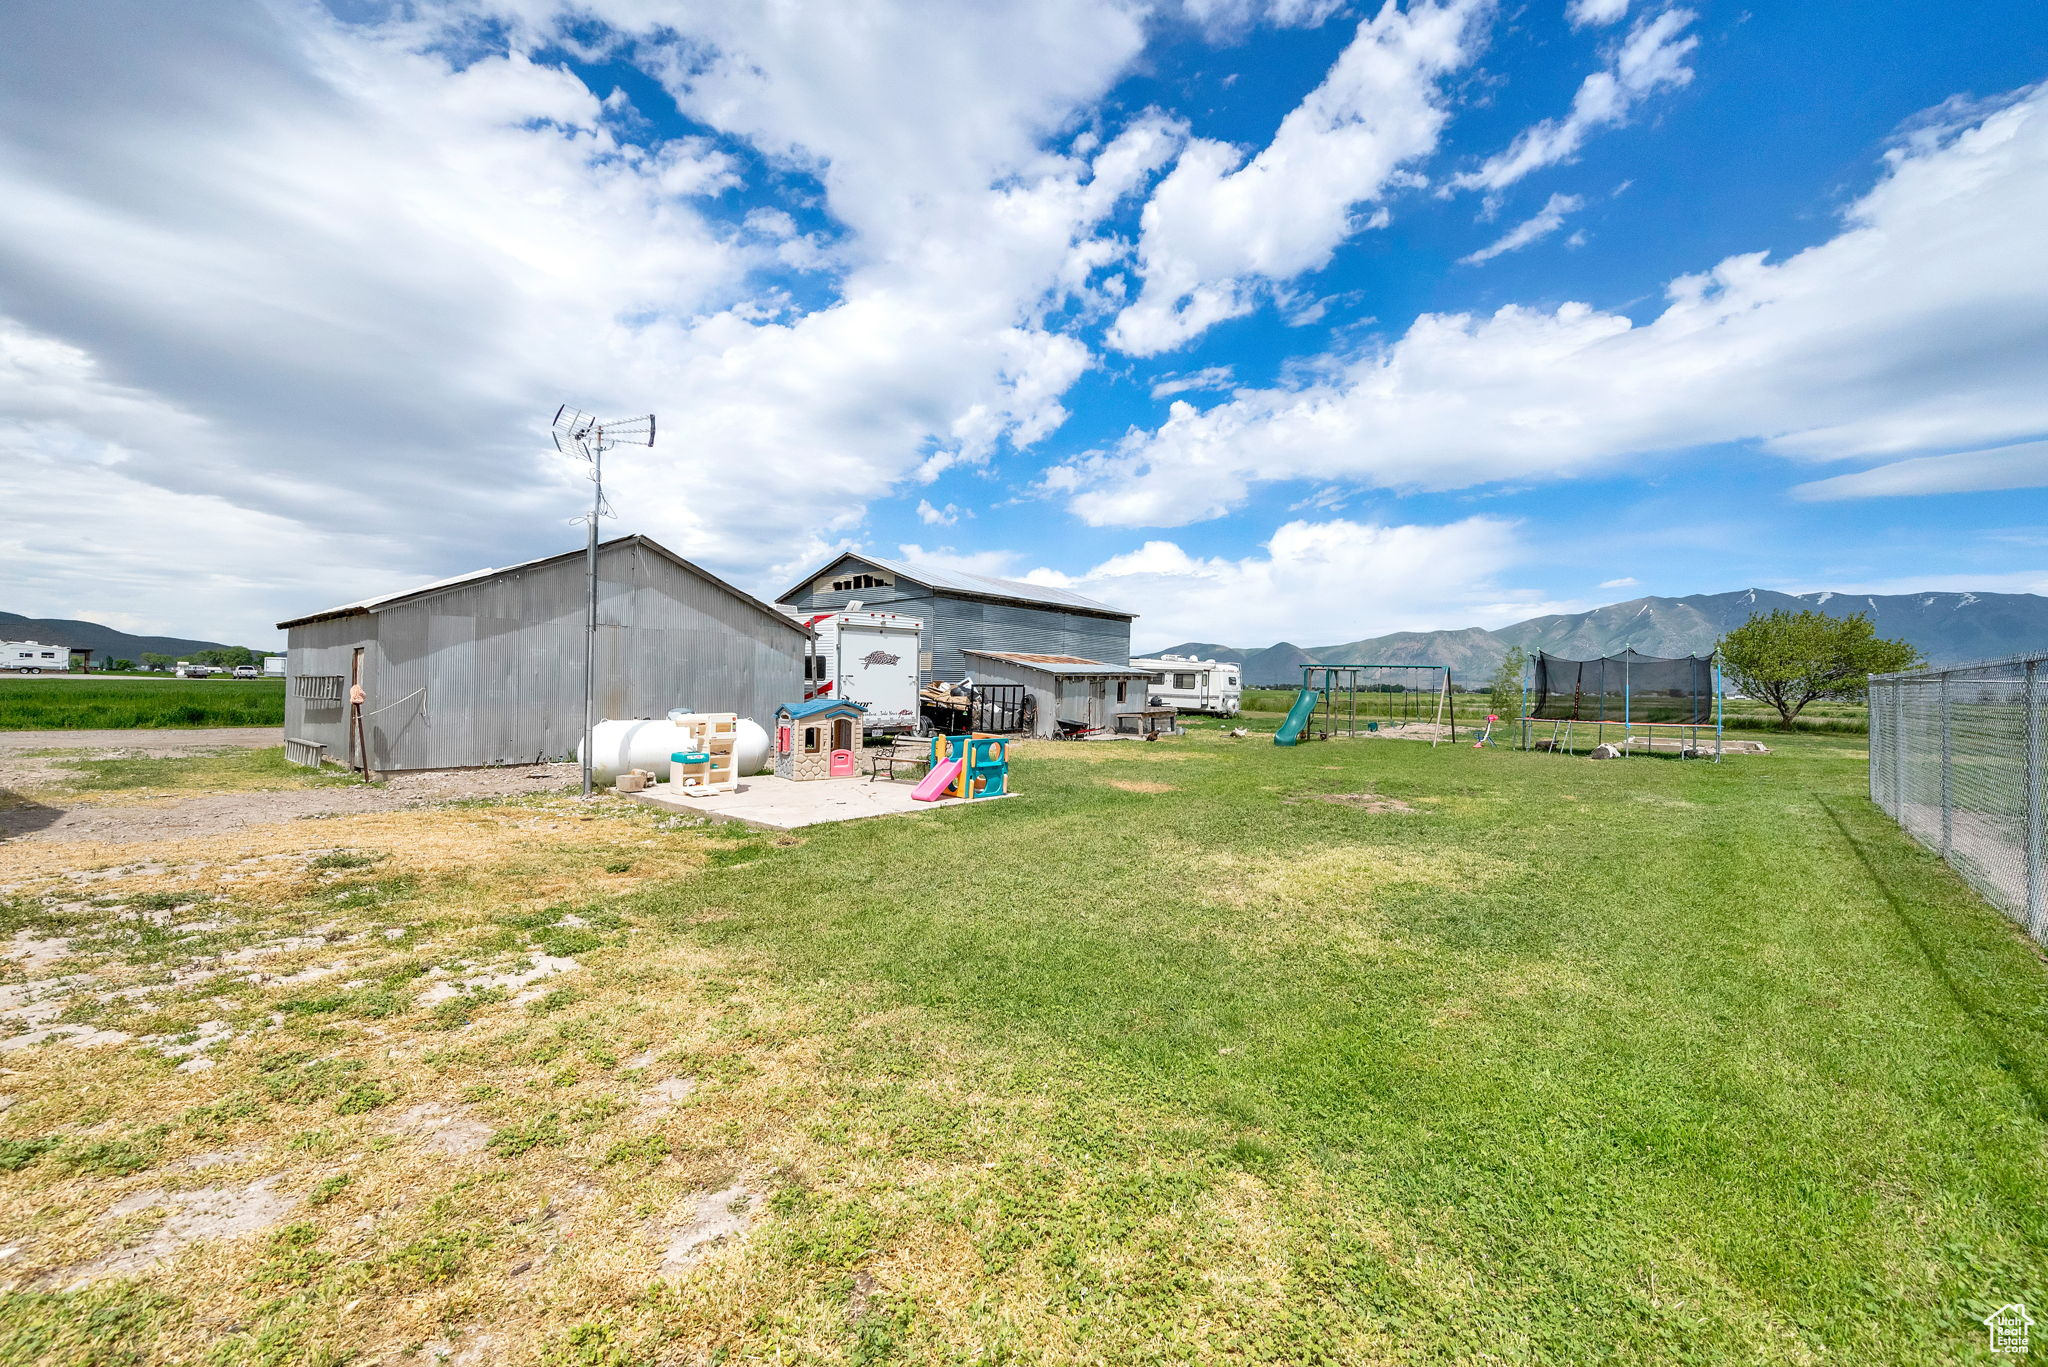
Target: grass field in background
x=1199, y=1050
x=1742, y=714
x=121, y=704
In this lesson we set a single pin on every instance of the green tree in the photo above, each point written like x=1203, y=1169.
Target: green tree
x=1504, y=697
x=152, y=660
x=1789, y=659
x=118, y=666
x=226, y=657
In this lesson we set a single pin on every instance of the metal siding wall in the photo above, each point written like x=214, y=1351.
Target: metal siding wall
x=323, y=648
x=973, y=624
x=392, y=670
x=502, y=661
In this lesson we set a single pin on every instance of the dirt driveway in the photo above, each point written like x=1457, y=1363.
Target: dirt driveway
x=35, y=806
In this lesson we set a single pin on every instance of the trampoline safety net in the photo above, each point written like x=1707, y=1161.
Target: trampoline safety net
x=1624, y=687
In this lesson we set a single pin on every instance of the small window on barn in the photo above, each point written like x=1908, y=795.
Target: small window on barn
x=853, y=582
x=1122, y=690
x=811, y=746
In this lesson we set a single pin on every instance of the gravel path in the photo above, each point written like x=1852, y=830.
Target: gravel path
x=142, y=741
x=180, y=817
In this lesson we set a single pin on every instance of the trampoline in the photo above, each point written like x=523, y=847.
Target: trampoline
x=1641, y=695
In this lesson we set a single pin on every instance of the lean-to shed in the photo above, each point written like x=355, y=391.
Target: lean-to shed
x=965, y=612
x=487, y=668
x=1066, y=688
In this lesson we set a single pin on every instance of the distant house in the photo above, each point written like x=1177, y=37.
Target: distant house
x=963, y=612
x=487, y=668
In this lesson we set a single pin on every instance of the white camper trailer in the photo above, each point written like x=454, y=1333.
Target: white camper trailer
x=33, y=657
x=1193, y=685
x=866, y=657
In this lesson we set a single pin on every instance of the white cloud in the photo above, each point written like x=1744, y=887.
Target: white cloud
x=1625, y=582
x=1305, y=585
x=1543, y=223
x=344, y=289
x=940, y=517
x=1209, y=377
x=1919, y=328
x=2024, y=466
x=1583, y=12
x=1218, y=230
x=1650, y=59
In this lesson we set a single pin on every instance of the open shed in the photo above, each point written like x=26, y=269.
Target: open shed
x=1066, y=688
x=487, y=668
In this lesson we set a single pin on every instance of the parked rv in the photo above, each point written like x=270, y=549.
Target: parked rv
x=1193, y=685
x=33, y=657
x=866, y=657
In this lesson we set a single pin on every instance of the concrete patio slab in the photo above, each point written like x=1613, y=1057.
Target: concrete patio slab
x=780, y=804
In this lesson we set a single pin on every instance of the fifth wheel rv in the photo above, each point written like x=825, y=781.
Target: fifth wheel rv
x=866, y=657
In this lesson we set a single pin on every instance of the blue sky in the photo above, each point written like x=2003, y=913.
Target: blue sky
x=1267, y=320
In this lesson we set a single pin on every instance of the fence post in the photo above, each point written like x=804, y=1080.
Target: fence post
x=2037, y=895
x=1947, y=776
x=1899, y=752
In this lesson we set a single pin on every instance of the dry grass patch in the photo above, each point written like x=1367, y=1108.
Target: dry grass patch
x=1132, y=785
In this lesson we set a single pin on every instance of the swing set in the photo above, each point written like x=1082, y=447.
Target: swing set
x=1405, y=701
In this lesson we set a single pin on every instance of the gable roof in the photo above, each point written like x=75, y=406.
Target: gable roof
x=379, y=603
x=1069, y=666
x=817, y=706
x=973, y=585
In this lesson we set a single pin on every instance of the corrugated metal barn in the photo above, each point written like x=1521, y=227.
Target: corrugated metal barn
x=487, y=668
x=963, y=612
x=1065, y=687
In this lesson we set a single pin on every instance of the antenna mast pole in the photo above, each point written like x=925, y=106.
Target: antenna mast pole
x=590, y=620
x=578, y=434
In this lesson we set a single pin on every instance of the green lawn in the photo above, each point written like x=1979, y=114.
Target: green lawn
x=1495, y=1057
x=1635, y=1061
x=80, y=704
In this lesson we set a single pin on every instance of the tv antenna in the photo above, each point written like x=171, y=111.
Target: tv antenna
x=586, y=438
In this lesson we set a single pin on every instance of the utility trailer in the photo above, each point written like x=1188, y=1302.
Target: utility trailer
x=869, y=658
x=33, y=657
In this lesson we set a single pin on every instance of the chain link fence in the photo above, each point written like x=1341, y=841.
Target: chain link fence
x=1956, y=759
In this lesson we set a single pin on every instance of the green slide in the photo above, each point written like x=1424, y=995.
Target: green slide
x=1297, y=717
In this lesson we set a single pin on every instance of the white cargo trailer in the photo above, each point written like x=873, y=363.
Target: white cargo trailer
x=869, y=658
x=33, y=657
x=1193, y=685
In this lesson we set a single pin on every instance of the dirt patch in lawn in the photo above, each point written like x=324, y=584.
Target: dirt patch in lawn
x=1362, y=802
x=1134, y=785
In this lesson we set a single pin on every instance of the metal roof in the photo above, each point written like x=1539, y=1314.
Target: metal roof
x=959, y=581
x=383, y=601
x=1068, y=665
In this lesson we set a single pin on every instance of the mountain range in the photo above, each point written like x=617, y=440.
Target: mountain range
x=1948, y=628
x=102, y=641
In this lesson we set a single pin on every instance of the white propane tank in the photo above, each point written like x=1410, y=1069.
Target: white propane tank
x=749, y=749
x=619, y=746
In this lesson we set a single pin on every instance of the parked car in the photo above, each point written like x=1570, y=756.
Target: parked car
x=248, y=672
x=194, y=671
